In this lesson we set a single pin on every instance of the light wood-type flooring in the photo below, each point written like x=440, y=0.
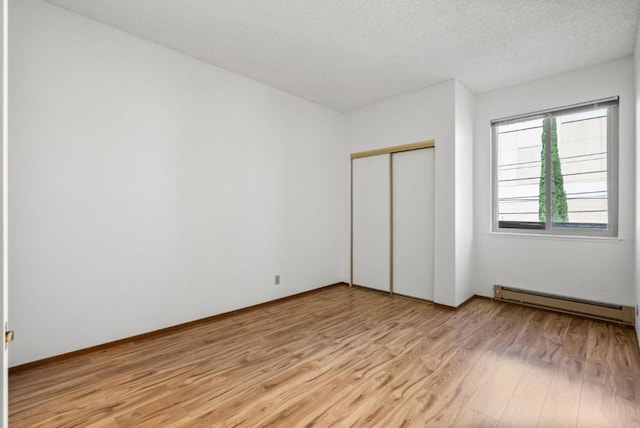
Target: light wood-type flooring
x=350, y=357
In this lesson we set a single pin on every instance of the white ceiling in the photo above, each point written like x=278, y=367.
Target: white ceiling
x=348, y=53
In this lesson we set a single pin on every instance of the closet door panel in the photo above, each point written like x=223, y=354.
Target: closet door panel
x=413, y=223
x=371, y=222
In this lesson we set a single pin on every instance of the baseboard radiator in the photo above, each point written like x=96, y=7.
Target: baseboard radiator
x=602, y=311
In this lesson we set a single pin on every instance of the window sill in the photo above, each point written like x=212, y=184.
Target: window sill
x=582, y=238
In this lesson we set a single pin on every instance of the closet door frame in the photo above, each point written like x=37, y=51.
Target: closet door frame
x=389, y=151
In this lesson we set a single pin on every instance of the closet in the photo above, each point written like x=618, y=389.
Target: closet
x=392, y=219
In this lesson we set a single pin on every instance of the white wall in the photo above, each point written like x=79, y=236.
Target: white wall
x=464, y=128
x=422, y=115
x=149, y=189
x=600, y=270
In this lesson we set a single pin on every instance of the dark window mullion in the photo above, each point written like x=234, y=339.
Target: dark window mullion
x=548, y=171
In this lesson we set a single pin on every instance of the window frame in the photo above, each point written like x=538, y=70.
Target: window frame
x=547, y=228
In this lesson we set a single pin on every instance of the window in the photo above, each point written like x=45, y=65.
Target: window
x=556, y=172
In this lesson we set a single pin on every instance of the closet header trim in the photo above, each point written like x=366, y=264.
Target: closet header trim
x=395, y=149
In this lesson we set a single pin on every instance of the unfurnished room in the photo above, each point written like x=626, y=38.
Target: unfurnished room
x=296, y=213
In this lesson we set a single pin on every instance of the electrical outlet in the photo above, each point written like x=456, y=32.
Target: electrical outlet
x=277, y=280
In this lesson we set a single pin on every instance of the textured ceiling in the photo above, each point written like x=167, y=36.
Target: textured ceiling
x=348, y=53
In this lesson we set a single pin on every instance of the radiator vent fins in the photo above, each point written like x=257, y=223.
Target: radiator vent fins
x=602, y=311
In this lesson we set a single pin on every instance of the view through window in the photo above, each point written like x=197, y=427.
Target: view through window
x=554, y=172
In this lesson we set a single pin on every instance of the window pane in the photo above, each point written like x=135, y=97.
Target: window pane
x=518, y=174
x=579, y=169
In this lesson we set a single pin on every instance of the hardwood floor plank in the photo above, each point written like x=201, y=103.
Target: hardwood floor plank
x=348, y=357
x=626, y=390
x=527, y=400
x=468, y=418
x=157, y=413
x=597, y=399
x=621, y=356
x=627, y=413
x=562, y=403
x=493, y=398
x=576, y=340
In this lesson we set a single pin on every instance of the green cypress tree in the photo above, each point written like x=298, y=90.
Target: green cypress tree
x=558, y=194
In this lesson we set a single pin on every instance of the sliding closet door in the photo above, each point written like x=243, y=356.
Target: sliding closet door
x=371, y=222
x=413, y=223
